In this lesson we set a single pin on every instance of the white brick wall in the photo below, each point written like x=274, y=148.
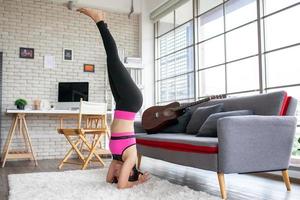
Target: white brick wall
x=48, y=28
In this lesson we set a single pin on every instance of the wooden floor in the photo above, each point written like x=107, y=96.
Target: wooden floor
x=238, y=186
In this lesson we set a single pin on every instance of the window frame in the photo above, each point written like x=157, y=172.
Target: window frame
x=260, y=19
x=157, y=58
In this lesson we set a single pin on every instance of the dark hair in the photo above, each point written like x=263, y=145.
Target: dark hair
x=135, y=175
x=115, y=180
x=132, y=178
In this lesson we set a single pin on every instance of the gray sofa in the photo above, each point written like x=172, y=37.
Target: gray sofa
x=245, y=144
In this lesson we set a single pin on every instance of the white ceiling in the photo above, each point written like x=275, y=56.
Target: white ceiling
x=113, y=5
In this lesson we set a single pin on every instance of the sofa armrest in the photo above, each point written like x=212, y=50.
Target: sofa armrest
x=138, y=128
x=255, y=143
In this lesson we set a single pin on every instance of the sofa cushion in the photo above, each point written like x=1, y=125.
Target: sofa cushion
x=261, y=104
x=200, y=115
x=179, y=142
x=138, y=127
x=180, y=126
x=209, y=127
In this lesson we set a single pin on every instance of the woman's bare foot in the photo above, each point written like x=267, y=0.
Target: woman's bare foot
x=94, y=14
x=144, y=177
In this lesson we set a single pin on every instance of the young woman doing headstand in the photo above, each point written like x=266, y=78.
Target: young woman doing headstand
x=129, y=100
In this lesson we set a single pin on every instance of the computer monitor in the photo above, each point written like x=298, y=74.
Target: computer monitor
x=73, y=91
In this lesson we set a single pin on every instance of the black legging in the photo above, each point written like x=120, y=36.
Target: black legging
x=127, y=95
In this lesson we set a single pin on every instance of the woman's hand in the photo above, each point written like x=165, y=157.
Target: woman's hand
x=143, y=177
x=94, y=14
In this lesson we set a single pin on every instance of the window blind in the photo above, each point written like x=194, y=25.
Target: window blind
x=166, y=8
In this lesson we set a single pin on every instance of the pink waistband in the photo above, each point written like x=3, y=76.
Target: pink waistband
x=121, y=114
x=116, y=134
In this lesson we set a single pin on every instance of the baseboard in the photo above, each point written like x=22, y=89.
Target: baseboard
x=277, y=175
x=295, y=162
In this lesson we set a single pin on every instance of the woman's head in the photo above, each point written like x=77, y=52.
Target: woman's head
x=134, y=174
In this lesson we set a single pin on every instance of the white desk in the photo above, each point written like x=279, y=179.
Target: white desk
x=55, y=112
x=20, y=122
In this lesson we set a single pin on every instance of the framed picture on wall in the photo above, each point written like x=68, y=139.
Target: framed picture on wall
x=67, y=54
x=26, y=53
x=89, y=68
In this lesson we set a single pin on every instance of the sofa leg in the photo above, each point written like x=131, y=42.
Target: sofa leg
x=286, y=179
x=139, y=160
x=222, y=185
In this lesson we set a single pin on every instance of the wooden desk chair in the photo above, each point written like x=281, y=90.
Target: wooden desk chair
x=94, y=115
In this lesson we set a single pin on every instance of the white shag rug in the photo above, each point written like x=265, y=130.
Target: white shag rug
x=90, y=184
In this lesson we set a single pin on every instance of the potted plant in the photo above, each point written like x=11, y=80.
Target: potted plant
x=21, y=103
x=299, y=144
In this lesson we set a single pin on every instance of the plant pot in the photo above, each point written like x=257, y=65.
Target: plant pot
x=21, y=107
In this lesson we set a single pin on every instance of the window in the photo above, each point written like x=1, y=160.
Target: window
x=243, y=75
x=175, y=56
x=211, y=52
x=282, y=50
x=239, y=12
x=270, y=6
x=212, y=81
x=205, y=5
x=241, y=47
x=281, y=29
x=227, y=47
x=242, y=42
x=282, y=64
x=210, y=23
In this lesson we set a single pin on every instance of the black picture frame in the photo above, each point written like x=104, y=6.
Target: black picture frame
x=27, y=53
x=89, y=68
x=68, y=54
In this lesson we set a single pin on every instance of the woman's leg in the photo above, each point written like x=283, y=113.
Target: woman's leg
x=98, y=16
x=110, y=173
x=127, y=95
x=130, y=97
x=113, y=90
x=108, y=41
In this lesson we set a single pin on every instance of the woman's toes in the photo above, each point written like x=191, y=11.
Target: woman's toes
x=94, y=14
x=80, y=9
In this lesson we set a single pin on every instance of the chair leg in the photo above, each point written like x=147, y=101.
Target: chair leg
x=286, y=179
x=68, y=154
x=75, y=148
x=139, y=160
x=92, y=150
x=222, y=185
x=95, y=153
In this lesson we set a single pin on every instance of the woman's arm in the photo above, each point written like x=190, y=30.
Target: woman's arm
x=124, y=174
x=110, y=173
